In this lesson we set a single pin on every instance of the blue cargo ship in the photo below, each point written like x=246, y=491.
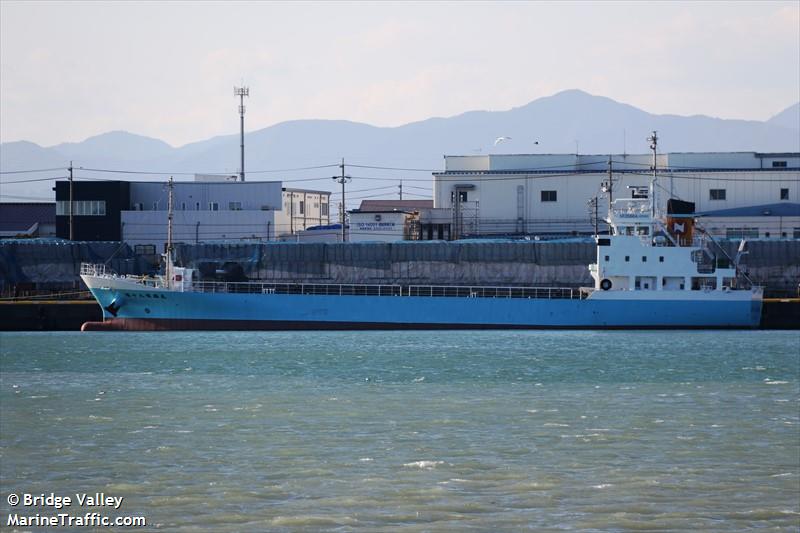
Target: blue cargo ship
x=650, y=273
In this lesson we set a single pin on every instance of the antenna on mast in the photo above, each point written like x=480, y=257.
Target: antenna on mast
x=168, y=266
x=654, y=147
x=241, y=92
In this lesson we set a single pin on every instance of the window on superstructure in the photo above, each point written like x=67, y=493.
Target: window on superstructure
x=644, y=259
x=235, y=206
x=155, y=206
x=716, y=194
x=549, y=196
x=784, y=194
x=660, y=258
x=607, y=259
x=627, y=258
x=462, y=196
x=213, y=206
x=779, y=164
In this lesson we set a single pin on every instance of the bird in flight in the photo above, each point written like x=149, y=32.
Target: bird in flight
x=501, y=139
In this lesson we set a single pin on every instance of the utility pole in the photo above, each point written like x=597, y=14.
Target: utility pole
x=71, y=206
x=241, y=92
x=343, y=213
x=168, y=267
x=608, y=185
x=401, y=190
x=654, y=147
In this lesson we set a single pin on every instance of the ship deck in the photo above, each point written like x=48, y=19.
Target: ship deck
x=449, y=291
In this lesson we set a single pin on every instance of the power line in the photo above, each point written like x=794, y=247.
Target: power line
x=122, y=171
x=16, y=197
x=35, y=179
x=32, y=171
x=393, y=168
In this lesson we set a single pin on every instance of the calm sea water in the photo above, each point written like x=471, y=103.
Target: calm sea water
x=409, y=431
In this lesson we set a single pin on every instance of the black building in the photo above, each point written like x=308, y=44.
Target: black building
x=96, y=209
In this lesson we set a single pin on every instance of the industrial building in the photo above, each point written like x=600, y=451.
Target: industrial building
x=204, y=210
x=539, y=194
x=27, y=220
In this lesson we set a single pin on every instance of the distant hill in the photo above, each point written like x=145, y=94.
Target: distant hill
x=788, y=118
x=566, y=122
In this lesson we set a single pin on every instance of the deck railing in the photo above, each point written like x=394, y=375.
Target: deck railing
x=92, y=269
x=340, y=289
x=431, y=291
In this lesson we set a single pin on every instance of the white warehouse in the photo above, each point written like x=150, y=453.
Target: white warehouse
x=551, y=193
x=213, y=210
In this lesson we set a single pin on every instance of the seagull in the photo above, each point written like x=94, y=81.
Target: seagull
x=501, y=139
x=535, y=142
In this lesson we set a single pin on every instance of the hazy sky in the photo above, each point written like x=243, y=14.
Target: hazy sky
x=70, y=70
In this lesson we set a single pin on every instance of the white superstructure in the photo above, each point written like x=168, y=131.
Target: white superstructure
x=645, y=254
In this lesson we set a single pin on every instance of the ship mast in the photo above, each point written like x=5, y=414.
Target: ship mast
x=654, y=147
x=168, y=267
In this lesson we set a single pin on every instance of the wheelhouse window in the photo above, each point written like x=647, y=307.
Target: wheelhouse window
x=235, y=206
x=779, y=164
x=549, y=196
x=716, y=194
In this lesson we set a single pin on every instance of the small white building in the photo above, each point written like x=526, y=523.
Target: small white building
x=302, y=209
x=383, y=226
x=550, y=193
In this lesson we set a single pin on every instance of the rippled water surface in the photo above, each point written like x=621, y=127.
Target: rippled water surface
x=409, y=431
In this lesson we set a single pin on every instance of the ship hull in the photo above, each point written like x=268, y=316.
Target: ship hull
x=157, y=310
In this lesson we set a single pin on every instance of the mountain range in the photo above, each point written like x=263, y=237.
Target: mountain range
x=567, y=122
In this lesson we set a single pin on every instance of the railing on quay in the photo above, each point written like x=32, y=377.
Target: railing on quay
x=431, y=291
